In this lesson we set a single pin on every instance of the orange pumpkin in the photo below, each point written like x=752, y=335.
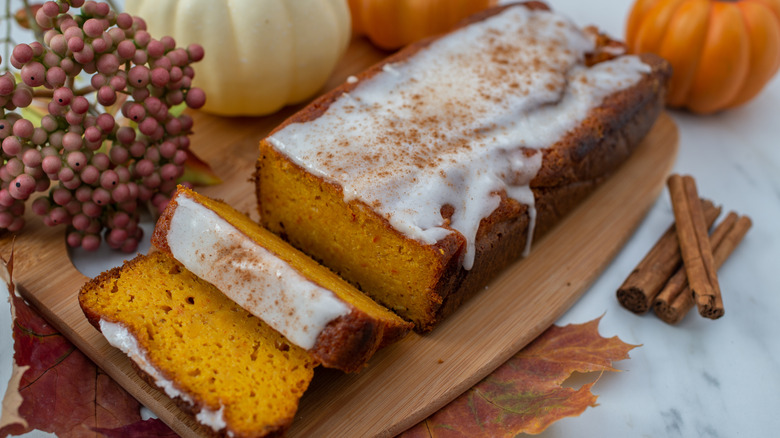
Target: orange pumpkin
x=391, y=24
x=722, y=52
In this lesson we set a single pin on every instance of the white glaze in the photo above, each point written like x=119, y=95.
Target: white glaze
x=213, y=419
x=253, y=277
x=118, y=336
x=666, y=388
x=448, y=128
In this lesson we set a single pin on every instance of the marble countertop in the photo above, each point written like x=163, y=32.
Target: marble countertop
x=701, y=378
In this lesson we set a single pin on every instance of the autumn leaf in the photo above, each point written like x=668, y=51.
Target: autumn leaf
x=139, y=429
x=525, y=395
x=24, y=14
x=56, y=388
x=198, y=172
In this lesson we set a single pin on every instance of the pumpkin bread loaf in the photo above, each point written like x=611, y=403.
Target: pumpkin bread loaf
x=422, y=178
x=306, y=302
x=229, y=369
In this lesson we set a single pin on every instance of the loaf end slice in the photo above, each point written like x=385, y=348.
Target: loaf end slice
x=230, y=370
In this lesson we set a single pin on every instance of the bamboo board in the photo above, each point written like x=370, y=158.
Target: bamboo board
x=408, y=381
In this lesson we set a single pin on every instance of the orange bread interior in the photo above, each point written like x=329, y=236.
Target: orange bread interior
x=349, y=238
x=215, y=352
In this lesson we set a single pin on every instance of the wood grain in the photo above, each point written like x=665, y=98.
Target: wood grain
x=412, y=379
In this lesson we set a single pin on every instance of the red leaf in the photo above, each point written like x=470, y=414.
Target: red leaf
x=525, y=393
x=61, y=390
x=142, y=429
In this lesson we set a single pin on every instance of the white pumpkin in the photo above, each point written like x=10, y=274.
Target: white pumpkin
x=260, y=54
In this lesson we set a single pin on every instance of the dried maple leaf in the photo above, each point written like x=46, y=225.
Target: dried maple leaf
x=56, y=388
x=525, y=393
x=139, y=429
x=198, y=172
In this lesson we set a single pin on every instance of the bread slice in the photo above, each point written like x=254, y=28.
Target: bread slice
x=229, y=369
x=306, y=302
x=422, y=178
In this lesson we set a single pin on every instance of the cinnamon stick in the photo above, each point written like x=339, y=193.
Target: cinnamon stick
x=641, y=287
x=695, y=246
x=676, y=299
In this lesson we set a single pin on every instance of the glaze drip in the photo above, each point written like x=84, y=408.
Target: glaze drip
x=458, y=123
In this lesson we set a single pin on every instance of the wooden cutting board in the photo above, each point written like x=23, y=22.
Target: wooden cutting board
x=408, y=381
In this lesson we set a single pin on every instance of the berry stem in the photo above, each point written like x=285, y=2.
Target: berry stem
x=31, y=18
x=83, y=90
x=7, y=42
x=45, y=92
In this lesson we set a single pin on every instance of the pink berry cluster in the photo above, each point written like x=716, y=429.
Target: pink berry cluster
x=98, y=167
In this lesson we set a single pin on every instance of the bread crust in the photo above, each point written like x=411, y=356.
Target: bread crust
x=270, y=431
x=571, y=169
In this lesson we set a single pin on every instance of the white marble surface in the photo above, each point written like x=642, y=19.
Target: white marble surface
x=700, y=378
